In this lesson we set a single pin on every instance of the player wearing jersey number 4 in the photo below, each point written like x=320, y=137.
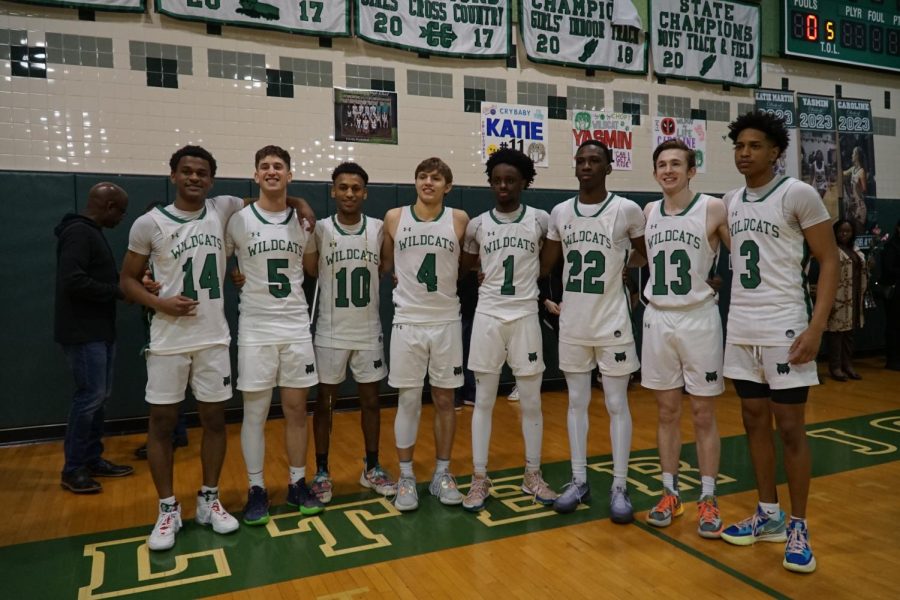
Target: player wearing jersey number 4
x=682, y=342
x=422, y=246
x=774, y=333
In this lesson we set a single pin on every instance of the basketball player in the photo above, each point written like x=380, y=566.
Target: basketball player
x=508, y=240
x=594, y=231
x=274, y=341
x=682, y=343
x=422, y=246
x=345, y=255
x=774, y=333
x=189, y=336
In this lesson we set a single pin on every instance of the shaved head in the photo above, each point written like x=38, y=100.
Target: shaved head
x=106, y=204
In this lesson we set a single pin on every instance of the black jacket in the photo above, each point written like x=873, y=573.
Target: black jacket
x=87, y=283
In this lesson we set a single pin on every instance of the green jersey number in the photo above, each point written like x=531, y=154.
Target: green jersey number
x=751, y=279
x=594, y=264
x=279, y=284
x=427, y=273
x=209, y=278
x=360, y=286
x=682, y=263
x=509, y=269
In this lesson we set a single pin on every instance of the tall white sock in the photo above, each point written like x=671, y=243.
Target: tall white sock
x=615, y=391
x=253, y=432
x=579, y=385
x=532, y=418
x=409, y=411
x=485, y=397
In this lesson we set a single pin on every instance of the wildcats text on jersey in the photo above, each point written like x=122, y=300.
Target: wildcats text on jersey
x=437, y=241
x=591, y=237
x=509, y=242
x=755, y=225
x=195, y=241
x=263, y=246
x=346, y=254
x=672, y=235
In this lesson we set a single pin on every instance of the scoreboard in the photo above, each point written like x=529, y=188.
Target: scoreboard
x=864, y=33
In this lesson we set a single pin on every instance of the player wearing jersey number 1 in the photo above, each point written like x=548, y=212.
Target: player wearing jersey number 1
x=774, y=333
x=422, y=246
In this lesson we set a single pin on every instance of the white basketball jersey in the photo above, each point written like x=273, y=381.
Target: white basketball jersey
x=770, y=302
x=510, y=261
x=679, y=254
x=273, y=308
x=426, y=262
x=595, y=309
x=190, y=261
x=348, y=285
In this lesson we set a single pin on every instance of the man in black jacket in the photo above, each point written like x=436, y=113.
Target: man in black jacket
x=87, y=288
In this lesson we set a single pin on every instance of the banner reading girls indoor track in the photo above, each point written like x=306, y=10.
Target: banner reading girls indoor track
x=710, y=40
x=523, y=128
x=818, y=149
x=111, y=5
x=857, y=153
x=613, y=129
x=458, y=28
x=780, y=103
x=580, y=34
x=690, y=131
x=314, y=17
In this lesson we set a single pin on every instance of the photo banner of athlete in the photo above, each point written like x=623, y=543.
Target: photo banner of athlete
x=613, y=129
x=312, y=17
x=580, y=35
x=857, y=153
x=523, y=128
x=780, y=103
x=368, y=116
x=713, y=41
x=818, y=147
x=108, y=5
x=690, y=131
x=445, y=28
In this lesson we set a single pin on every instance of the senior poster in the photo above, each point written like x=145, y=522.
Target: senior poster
x=690, y=131
x=780, y=103
x=523, y=128
x=857, y=153
x=613, y=129
x=365, y=116
x=818, y=147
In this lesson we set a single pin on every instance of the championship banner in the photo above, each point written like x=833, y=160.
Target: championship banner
x=857, y=151
x=108, y=5
x=818, y=148
x=582, y=35
x=313, y=17
x=368, y=116
x=780, y=103
x=690, y=131
x=717, y=41
x=459, y=28
x=523, y=128
x=613, y=129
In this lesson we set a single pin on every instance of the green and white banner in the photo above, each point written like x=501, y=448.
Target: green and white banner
x=459, y=28
x=818, y=148
x=780, y=103
x=856, y=144
x=110, y=5
x=580, y=34
x=613, y=129
x=312, y=17
x=854, y=116
x=717, y=41
x=815, y=113
x=690, y=131
x=522, y=128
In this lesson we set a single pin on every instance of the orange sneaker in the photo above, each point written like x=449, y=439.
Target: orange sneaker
x=665, y=510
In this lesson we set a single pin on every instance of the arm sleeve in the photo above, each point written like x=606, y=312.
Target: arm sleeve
x=473, y=236
x=74, y=259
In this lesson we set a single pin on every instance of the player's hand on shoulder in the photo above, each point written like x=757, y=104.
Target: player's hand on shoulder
x=238, y=278
x=149, y=283
x=178, y=306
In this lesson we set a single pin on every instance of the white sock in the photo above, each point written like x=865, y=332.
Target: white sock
x=441, y=466
x=485, y=396
x=409, y=410
x=209, y=493
x=257, y=479
x=615, y=391
x=532, y=418
x=708, y=486
x=772, y=510
x=253, y=430
x=579, y=385
x=296, y=473
x=170, y=501
x=406, y=469
x=669, y=483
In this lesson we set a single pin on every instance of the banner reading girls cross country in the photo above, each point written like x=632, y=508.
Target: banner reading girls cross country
x=690, y=131
x=818, y=149
x=780, y=103
x=459, y=28
x=580, y=34
x=111, y=5
x=717, y=41
x=613, y=129
x=523, y=128
x=313, y=17
x=857, y=152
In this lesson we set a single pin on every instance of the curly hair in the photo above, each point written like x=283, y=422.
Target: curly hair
x=519, y=160
x=769, y=124
x=196, y=152
x=350, y=168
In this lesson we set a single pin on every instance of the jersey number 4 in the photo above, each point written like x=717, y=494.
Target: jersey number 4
x=209, y=278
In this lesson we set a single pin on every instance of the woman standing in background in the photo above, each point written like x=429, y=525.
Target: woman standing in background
x=847, y=311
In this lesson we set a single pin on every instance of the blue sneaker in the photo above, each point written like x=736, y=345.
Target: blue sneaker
x=300, y=496
x=620, y=509
x=256, y=511
x=798, y=556
x=756, y=528
x=573, y=494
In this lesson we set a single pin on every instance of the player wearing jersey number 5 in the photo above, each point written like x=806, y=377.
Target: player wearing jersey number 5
x=422, y=245
x=774, y=333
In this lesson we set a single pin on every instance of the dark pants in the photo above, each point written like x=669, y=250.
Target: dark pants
x=92, y=366
x=840, y=350
x=892, y=333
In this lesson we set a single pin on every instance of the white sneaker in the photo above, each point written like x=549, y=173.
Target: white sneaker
x=443, y=486
x=211, y=512
x=514, y=394
x=167, y=525
x=407, y=498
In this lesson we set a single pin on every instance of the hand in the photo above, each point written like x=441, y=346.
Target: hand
x=715, y=282
x=805, y=347
x=394, y=279
x=307, y=217
x=480, y=277
x=149, y=284
x=552, y=307
x=238, y=278
x=178, y=306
